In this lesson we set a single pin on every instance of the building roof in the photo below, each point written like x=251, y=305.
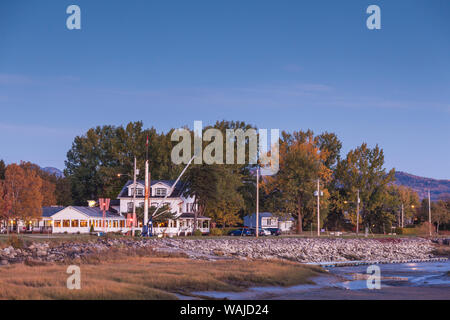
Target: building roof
x=49, y=211
x=286, y=217
x=95, y=212
x=263, y=214
x=189, y=215
x=177, y=191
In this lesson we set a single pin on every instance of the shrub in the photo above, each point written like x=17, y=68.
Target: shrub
x=137, y=233
x=215, y=232
x=15, y=242
x=409, y=231
x=424, y=229
x=197, y=233
x=399, y=230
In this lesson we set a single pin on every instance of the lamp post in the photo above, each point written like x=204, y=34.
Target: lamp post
x=257, y=203
x=318, y=193
x=358, y=200
x=357, y=213
x=429, y=210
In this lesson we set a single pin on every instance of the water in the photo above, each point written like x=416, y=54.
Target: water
x=405, y=274
x=407, y=280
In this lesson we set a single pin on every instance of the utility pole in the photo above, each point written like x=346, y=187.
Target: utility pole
x=318, y=207
x=403, y=214
x=357, y=213
x=257, y=202
x=429, y=210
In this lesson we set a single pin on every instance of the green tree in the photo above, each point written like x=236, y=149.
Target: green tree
x=362, y=170
x=97, y=157
x=201, y=182
x=292, y=189
x=225, y=206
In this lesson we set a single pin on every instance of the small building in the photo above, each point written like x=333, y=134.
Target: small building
x=183, y=225
x=268, y=220
x=76, y=219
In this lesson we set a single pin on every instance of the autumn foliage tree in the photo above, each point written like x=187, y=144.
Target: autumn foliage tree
x=302, y=162
x=21, y=193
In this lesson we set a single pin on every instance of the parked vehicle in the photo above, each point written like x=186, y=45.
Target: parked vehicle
x=240, y=232
x=262, y=232
x=274, y=231
x=3, y=230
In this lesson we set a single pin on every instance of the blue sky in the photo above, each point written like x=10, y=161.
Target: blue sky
x=277, y=64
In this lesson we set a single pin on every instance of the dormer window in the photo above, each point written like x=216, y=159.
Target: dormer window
x=139, y=192
x=160, y=192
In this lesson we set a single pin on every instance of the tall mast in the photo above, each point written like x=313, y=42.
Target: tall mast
x=146, y=185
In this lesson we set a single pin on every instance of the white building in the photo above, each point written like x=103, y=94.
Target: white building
x=182, y=206
x=158, y=190
x=268, y=220
x=74, y=219
x=77, y=219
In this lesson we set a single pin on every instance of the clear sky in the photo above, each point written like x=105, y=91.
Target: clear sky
x=276, y=64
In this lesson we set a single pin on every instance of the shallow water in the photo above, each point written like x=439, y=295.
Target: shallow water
x=405, y=275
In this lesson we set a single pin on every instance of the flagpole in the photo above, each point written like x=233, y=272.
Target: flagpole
x=257, y=202
x=146, y=186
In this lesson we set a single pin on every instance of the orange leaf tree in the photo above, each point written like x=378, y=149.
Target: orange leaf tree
x=23, y=191
x=291, y=191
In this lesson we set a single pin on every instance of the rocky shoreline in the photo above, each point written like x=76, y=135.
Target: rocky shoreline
x=304, y=250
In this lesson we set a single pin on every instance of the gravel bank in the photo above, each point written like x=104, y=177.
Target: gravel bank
x=294, y=249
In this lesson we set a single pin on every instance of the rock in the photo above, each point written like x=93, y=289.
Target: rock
x=41, y=253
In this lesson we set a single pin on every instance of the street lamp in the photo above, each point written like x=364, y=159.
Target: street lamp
x=318, y=193
x=358, y=201
x=403, y=213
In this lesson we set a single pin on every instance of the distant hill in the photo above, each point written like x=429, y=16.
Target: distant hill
x=421, y=185
x=54, y=171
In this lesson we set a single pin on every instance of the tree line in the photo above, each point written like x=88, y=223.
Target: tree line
x=227, y=192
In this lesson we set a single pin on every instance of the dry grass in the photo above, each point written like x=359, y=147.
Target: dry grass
x=141, y=274
x=442, y=251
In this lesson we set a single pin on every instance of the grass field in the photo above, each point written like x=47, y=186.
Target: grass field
x=142, y=274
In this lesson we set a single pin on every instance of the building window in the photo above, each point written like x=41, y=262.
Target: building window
x=122, y=223
x=130, y=207
x=115, y=224
x=139, y=192
x=66, y=223
x=161, y=192
x=74, y=223
x=83, y=223
x=57, y=223
x=96, y=223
